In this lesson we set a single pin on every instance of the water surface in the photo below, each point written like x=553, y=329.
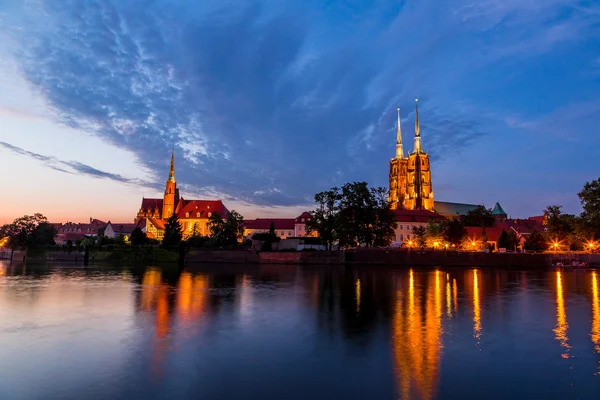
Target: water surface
x=287, y=332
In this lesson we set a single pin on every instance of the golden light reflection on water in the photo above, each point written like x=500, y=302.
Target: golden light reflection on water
x=595, y=314
x=562, y=326
x=358, y=295
x=417, y=338
x=476, y=308
x=455, y=295
x=448, y=299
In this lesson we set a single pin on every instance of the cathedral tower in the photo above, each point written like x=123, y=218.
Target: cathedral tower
x=410, y=177
x=171, y=197
x=398, y=173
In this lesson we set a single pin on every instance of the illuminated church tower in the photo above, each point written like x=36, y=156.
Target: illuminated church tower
x=171, y=197
x=410, y=178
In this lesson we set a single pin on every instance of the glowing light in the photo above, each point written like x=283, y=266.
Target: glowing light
x=476, y=308
x=455, y=295
x=595, y=315
x=358, y=295
x=562, y=326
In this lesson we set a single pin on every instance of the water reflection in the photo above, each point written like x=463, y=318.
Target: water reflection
x=561, y=329
x=417, y=336
x=595, y=316
x=385, y=332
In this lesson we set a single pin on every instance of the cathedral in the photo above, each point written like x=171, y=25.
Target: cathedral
x=193, y=214
x=410, y=177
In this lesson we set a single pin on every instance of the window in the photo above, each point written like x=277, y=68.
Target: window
x=290, y=234
x=209, y=214
x=401, y=237
x=401, y=227
x=407, y=237
x=300, y=227
x=187, y=215
x=422, y=162
x=198, y=215
x=408, y=227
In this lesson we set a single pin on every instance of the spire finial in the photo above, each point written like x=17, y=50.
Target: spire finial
x=172, y=169
x=399, y=149
x=417, y=127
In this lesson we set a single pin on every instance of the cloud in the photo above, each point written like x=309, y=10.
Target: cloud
x=74, y=167
x=268, y=105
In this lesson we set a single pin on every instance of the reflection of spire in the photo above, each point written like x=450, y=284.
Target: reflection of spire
x=172, y=169
x=357, y=295
x=416, y=336
x=562, y=326
x=399, y=149
x=595, y=314
x=476, y=308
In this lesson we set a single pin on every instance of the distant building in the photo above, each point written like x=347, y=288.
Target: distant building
x=193, y=214
x=300, y=225
x=113, y=230
x=284, y=227
x=74, y=232
x=453, y=210
x=406, y=220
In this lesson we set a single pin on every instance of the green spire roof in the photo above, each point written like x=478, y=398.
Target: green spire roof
x=498, y=210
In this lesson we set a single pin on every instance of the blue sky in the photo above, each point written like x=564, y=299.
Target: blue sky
x=268, y=102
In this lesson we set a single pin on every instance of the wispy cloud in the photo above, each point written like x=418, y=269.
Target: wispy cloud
x=74, y=167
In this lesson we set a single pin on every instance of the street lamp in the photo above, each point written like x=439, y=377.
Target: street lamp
x=555, y=245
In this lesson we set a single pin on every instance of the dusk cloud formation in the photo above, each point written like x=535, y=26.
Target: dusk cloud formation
x=269, y=102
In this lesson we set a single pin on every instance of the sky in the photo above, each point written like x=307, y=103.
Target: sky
x=268, y=102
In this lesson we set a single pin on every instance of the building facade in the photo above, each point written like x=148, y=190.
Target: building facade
x=193, y=215
x=410, y=177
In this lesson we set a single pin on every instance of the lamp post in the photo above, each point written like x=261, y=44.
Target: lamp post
x=555, y=245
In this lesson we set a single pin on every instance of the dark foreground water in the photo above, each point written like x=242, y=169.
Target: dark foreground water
x=281, y=332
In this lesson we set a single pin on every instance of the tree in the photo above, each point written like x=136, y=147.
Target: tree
x=536, y=242
x=435, y=232
x=454, y=232
x=138, y=237
x=173, y=233
x=508, y=240
x=590, y=202
x=384, y=225
x=479, y=216
x=420, y=233
x=272, y=228
x=226, y=232
x=323, y=219
x=28, y=231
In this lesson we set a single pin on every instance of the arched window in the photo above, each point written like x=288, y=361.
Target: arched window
x=198, y=215
x=187, y=214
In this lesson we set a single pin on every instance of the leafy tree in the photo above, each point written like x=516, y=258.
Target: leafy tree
x=420, y=233
x=479, y=216
x=173, y=233
x=384, y=225
x=226, y=232
x=536, y=242
x=590, y=202
x=27, y=232
x=266, y=237
x=198, y=241
x=272, y=228
x=454, y=232
x=508, y=240
x=138, y=237
x=324, y=219
x=435, y=232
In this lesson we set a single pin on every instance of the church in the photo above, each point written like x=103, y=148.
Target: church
x=193, y=214
x=410, y=176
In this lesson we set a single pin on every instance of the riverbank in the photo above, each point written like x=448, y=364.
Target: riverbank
x=386, y=257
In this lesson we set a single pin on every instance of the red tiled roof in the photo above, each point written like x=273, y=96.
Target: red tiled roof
x=72, y=236
x=302, y=218
x=123, y=228
x=151, y=204
x=158, y=223
x=416, y=216
x=493, y=233
x=150, y=235
x=539, y=219
x=204, y=207
x=265, y=223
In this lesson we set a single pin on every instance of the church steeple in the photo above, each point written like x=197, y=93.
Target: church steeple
x=417, y=129
x=172, y=170
x=399, y=149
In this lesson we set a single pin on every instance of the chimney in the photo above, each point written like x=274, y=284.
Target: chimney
x=90, y=220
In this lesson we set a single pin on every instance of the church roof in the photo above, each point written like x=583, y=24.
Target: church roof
x=204, y=207
x=498, y=210
x=415, y=216
x=303, y=218
x=151, y=204
x=448, y=208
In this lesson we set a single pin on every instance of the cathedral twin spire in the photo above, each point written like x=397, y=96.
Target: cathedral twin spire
x=399, y=148
x=172, y=170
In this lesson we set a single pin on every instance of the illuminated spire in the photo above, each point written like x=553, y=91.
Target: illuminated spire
x=172, y=170
x=399, y=149
x=417, y=129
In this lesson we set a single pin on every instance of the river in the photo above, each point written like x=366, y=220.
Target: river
x=291, y=332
